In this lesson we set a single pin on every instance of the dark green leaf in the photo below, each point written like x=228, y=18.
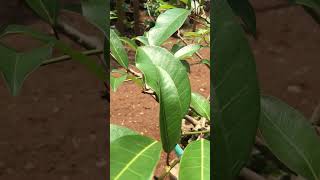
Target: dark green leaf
x=20, y=29
x=236, y=99
x=176, y=47
x=117, y=132
x=167, y=24
x=313, y=4
x=187, y=51
x=167, y=77
x=195, y=161
x=201, y=105
x=17, y=66
x=96, y=12
x=290, y=137
x=245, y=11
x=46, y=9
x=117, y=49
x=133, y=157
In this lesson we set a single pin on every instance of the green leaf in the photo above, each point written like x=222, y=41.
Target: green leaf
x=245, y=11
x=117, y=49
x=142, y=39
x=201, y=105
x=290, y=137
x=186, y=66
x=167, y=24
x=20, y=29
x=117, y=132
x=236, y=99
x=46, y=9
x=195, y=161
x=187, y=51
x=166, y=75
x=176, y=47
x=96, y=12
x=130, y=42
x=116, y=82
x=133, y=157
x=17, y=66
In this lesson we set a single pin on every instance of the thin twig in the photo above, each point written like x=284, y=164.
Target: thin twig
x=191, y=120
x=66, y=57
x=172, y=165
x=196, y=132
x=186, y=43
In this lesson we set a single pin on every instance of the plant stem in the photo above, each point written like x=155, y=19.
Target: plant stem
x=56, y=34
x=196, y=132
x=66, y=57
x=172, y=165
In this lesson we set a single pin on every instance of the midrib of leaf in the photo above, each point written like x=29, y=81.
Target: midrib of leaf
x=15, y=72
x=293, y=145
x=47, y=13
x=202, y=163
x=134, y=159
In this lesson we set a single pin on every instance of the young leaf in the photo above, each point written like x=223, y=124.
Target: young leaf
x=290, y=137
x=201, y=105
x=195, y=161
x=46, y=9
x=167, y=24
x=245, y=11
x=169, y=79
x=17, y=66
x=187, y=51
x=116, y=82
x=96, y=12
x=133, y=157
x=117, y=132
x=236, y=99
x=117, y=49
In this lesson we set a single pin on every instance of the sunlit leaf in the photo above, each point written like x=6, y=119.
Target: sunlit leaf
x=117, y=49
x=201, y=105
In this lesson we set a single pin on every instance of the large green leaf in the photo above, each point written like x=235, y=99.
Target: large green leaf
x=167, y=24
x=117, y=49
x=236, y=100
x=46, y=9
x=290, y=137
x=16, y=66
x=117, y=132
x=96, y=12
x=195, y=161
x=201, y=105
x=168, y=78
x=187, y=51
x=245, y=11
x=133, y=157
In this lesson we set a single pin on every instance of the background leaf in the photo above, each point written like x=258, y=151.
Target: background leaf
x=314, y=4
x=290, y=137
x=200, y=104
x=187, y=51
x=169, y=79
x=117, y=49
x=117, y=132
x=115, y=82
x=236, y=99
x=167, y=23
x=133, y=157
x=195, y=161
x=46, y=9
x=17, y=66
